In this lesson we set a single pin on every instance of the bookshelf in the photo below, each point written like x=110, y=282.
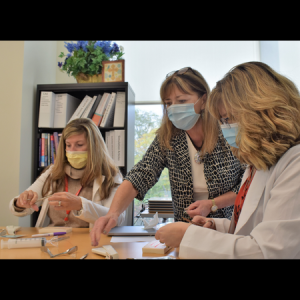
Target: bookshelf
x=80, y=90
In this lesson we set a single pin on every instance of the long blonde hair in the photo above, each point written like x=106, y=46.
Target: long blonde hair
x=266, y=105
x=99, y=163
x=190, y=82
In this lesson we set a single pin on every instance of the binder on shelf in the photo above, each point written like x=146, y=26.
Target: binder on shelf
x=119, y=115
x=65, y=106
x=119, y=148
x=98, y=115
x=112, y=144
x=107, y=142
x=47, y=109
x=108, y=118
x=81, y=108
x=89, y=111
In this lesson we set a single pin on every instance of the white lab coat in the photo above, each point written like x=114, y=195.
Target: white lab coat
x=269, y=223
x=92, y=210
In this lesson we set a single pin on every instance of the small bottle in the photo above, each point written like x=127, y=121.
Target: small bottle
x=22, y=243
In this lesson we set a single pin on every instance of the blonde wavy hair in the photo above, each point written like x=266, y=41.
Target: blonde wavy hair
x=266, y=105
x=99, y=162
x=189, y=83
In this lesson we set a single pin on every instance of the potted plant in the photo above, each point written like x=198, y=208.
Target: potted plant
x=84, y=60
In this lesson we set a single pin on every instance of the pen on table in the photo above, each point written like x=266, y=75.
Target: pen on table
x=49, y=234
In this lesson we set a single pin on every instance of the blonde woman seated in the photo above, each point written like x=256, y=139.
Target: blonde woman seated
x=82, y=182
x=259, y=110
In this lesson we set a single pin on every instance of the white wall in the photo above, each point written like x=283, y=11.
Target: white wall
x=148, y=62
x=23, y=66
x=11, y=78
x=289, y=60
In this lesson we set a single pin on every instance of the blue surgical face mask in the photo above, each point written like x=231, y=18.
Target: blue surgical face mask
x=229, y=132
x=183, y=116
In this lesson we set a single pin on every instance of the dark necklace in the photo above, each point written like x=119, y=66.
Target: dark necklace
x=197, y=158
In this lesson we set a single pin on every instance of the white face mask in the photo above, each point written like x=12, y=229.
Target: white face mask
x=77, y=159
x=183, y=116
x=229, y=132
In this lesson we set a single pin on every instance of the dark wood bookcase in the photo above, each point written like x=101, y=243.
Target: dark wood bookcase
x=80, y=90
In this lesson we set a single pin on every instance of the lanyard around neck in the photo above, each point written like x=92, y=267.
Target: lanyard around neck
x=66, y=219
x=67, y=186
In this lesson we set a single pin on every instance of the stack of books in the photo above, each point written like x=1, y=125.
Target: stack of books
x=160, y=205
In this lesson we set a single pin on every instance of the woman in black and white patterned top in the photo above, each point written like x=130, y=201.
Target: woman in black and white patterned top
x=204, y=174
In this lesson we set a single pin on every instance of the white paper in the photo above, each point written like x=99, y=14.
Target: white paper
x=128, y=239
x=152, y=223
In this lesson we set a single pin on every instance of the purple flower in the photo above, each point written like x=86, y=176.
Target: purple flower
x=70, y=46
x=115, y=47
x=105, y=45
x=60, y=64
x=82, y=44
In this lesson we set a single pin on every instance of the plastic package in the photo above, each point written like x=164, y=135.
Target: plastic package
x=24, y=243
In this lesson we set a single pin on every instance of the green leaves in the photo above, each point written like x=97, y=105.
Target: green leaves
x=86, y=57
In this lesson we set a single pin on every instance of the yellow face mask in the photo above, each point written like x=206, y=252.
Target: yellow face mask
x=77, y=159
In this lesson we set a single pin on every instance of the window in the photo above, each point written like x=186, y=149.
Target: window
x=147, y=121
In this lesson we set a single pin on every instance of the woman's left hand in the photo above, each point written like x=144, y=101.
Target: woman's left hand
x=65, y=201
x=199, y=208
x=172, y=234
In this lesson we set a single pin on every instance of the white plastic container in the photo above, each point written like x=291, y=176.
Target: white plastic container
x=22, y=243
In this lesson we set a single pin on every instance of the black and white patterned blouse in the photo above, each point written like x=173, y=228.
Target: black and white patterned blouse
x=222, y=171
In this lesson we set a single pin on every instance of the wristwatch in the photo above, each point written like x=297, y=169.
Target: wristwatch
x=214, y=207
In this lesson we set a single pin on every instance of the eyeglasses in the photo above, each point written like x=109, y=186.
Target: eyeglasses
x=181, y=72
x=224, y=122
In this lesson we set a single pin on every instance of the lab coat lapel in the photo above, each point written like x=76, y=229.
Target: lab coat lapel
x=96, y=187
x=252, y=199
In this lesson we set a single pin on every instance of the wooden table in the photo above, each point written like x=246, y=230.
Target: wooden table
x=79, y=237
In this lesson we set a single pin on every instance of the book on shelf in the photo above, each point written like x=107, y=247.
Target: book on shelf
x=59, y=136
x=47, y=109
x=108, y=117
x=98, y=115
x=65, y=106
x=55, y=138
x=90, y=109
x=119, y=115
x=81, y=108
x=119, y=147
x=53, y=153
x=114, y=140
x=40, y=151
x=45, y=149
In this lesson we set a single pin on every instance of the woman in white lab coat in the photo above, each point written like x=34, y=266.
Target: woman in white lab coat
x=259, y=111
x=79, y=187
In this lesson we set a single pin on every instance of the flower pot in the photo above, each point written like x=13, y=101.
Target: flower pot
x=85, y=78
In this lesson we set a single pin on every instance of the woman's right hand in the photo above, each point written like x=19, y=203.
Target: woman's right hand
x=27, y=199
x=205, y=222
x=103, y=225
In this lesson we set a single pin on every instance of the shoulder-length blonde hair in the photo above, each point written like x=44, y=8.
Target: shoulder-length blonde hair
x=190, y=82
x=266, y=105
x=99, y=163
